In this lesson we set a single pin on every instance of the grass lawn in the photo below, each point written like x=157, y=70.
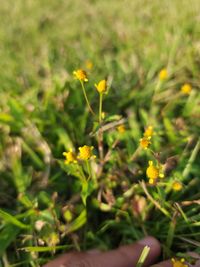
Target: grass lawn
x=142, y=120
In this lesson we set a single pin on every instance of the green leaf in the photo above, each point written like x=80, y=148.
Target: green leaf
x=35, y=158
x=64, y=138
x=84, y=192
x=169, y=130
x=11, y=219
x=5, y=117
x=7, y=236
x=44, y=249
x=113, y=118
x=78, y=222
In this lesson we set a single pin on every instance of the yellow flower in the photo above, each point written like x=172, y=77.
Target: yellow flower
x=153, y=173
x=186, y=89
x=53, y=239
x=101, y=86
x=163, y=74
x=70, y=157
x=121, y=128
x=81, y=75
x=177, y=186
x=86, y=152
x=88, y=64
x=144, y=142
x=179, y=263
x=148, y=131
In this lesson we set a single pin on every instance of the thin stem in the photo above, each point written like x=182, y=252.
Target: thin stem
x=89, y=170
x=135, y=154
x=191, y=160
x=100, y=106
x=100, y=134
x=157, y=204
x=157, y=88
x=82, y=175
x=100, y=144
x=85, y=95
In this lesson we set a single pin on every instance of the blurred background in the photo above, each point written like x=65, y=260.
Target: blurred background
x=60, y=35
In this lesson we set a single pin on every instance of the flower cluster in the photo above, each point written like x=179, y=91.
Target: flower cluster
x=145, y=141
x=85, y=153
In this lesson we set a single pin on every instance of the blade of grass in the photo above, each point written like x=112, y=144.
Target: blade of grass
x=143, y=256
x=11, y=219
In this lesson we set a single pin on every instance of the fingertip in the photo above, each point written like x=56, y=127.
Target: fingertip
x=155, y=249
x=151, y=242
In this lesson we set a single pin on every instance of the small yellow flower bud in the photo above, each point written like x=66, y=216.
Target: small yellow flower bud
x=121, y=128
x=177, y=186
x=186, y=89
x=89, y=64
x=148, y=132
x=101, y=86
x=68, y=216
x=163, y=74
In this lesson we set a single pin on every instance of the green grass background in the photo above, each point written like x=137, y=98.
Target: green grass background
x=43, y=113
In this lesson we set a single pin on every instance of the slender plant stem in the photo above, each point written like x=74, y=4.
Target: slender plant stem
x=157, y=204
x=191, y=160
x=89, y=170
x=82, y=175
x=100, y=106
x=100, y=144
x=86, y=98
x=100, y=134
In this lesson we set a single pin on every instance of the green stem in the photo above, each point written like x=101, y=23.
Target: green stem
x=85, y=95
x=89, y=170
x=100, y=106
x=82, y=175
x=191, y=160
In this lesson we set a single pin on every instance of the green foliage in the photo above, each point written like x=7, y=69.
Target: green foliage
x=47, y=206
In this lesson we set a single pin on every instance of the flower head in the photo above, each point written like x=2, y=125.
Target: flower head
x=89, y=64
x=163, y=74
x=186, y=89
x=177, y=186
x=81, y=75
x=145, y=142
x=70, y=157
x=101, y=86
x=153, y=172
x=121, y=128
x=85, y=152
x=179, y=263
x=148, y=131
